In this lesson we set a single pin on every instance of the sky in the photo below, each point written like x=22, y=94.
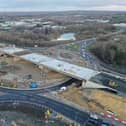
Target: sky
x=61, y=5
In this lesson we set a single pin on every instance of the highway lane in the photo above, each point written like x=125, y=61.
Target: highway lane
x=57, y=87
x=101, y=78
x=66, y=110
x=44, y=90
x=36, y=49
x=37, y=100
x=93, y=62
x=87, y=56
x=104, y=79
x=32, y=97
x=70, y=112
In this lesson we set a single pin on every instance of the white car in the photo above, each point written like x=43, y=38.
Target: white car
x=110, y=112
x=63, y=88
x=94, y=116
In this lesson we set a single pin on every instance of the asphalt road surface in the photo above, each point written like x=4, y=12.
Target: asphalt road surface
x=29, y=97
x=103, y=79
x=93, y=62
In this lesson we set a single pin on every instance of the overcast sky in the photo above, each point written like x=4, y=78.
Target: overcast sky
x=60, y=5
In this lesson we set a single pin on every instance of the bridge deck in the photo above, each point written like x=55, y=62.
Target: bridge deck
x=66, y=68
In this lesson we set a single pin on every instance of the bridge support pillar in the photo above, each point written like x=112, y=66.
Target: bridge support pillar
x=84, y=83
x=15, y=59
x=44, y=72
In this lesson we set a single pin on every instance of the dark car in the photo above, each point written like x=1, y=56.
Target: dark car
x=92, y=122
x=97, y=122
x=102, y=123
x=105, y=124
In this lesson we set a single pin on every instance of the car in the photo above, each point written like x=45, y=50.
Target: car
x=63, y=88
x=92, y=122
x=105, y=124
x=94, y=116
x=110, y=112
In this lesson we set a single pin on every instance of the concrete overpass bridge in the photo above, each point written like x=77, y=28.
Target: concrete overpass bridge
x=42, y=61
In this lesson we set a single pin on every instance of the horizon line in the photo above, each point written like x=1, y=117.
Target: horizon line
x=63, y=11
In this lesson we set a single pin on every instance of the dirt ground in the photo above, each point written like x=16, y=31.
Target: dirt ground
x=21, y=69
x=96, y=100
